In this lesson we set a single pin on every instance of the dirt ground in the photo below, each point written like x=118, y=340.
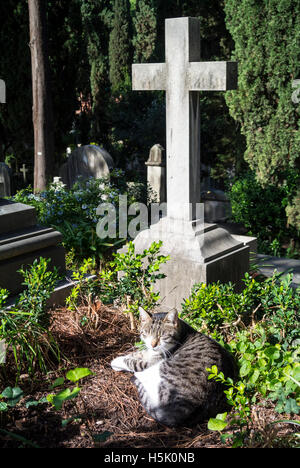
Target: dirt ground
x=107, y=413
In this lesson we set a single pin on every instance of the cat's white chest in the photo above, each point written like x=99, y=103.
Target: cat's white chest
x=150, y=379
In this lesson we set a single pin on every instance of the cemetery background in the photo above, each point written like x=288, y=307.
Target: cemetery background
x=125, y=123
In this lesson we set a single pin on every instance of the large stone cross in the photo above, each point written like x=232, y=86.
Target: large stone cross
x=182, y=76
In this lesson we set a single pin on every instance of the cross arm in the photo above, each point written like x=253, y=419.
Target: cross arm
x=149, y=77
x=212, y=76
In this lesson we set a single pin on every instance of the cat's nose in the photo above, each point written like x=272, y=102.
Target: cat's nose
x=154, y=342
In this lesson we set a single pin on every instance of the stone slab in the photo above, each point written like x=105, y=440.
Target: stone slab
x=268, y=264
x=182, y=275
x=199, y=254
x=5, y=180
x=27, y=242
x=11, y=280
x=15, y=216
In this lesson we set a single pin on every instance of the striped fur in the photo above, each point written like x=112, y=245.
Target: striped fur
x=170, y=373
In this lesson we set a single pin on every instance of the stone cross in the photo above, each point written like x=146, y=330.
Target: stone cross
x=182, y=76
x=24, y=170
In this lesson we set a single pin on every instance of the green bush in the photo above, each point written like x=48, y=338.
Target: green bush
x=261, y=327
x=263, y=212
x=73, y=212
x=24, y=327
x=140, y=271
x=217, y=309
x=266, y=36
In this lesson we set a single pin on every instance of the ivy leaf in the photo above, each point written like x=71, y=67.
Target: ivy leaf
x=102, y=437
x=291, y=406
x=78, y=373
x=3, y=406
x=64, y=395
x=245, y=368
x=57, y=382
x=218, y=423
x=13, y=395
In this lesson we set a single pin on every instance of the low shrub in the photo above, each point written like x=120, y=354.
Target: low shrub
x=217, y=309
x=261, y=327
x=264, y=212
x=73, y=211
x=24, y=327
x=139, y=272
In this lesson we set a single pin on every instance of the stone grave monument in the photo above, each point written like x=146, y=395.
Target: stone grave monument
x=217, y=207
x=86, y=161
x=199, y=252
x=22, y=241
x=156, y=173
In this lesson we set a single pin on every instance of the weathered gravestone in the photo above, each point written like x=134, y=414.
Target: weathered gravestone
x=156, y=173
x=22, y=241
x=86, y=161
x=5, y=180
x=217, y=207
x=199, y=252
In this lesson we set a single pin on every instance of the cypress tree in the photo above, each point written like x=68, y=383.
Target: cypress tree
x=96, y=23
x=145, y=27
x=120, y=46
x=266, y=35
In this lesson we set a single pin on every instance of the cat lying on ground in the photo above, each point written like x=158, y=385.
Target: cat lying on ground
x=170, y=373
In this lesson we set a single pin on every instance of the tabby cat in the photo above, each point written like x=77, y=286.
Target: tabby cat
x=170, y=373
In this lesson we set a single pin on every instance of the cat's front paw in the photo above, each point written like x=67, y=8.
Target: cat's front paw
x=119, y=364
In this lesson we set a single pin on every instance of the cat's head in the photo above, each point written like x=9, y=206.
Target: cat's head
x=160, y=331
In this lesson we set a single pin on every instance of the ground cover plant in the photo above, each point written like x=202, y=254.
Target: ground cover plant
x=260, y=326
x=24, y=326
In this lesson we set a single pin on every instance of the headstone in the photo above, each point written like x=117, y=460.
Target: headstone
x=199, y=252
x=22, y=241
x=5, y=180
x=86, y=161
x=217, y=207
x=156, y=173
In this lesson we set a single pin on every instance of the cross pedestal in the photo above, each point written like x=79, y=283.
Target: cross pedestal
x=199, y=252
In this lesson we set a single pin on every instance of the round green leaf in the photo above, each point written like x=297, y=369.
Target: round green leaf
x=78, y=373
x=215, y=424
x=245, y=368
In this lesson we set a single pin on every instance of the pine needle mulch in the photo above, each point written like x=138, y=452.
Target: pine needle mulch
x=107, y=413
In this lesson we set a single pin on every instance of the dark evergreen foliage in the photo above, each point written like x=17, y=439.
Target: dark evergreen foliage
x=266, y=35
x=120, y=46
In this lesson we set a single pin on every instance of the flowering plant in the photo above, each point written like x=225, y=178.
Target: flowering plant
x=73, y=211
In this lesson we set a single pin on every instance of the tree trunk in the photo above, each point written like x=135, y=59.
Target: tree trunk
x=41, y=96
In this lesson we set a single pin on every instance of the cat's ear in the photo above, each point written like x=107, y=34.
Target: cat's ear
x=144, y=315
x=172, y=317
